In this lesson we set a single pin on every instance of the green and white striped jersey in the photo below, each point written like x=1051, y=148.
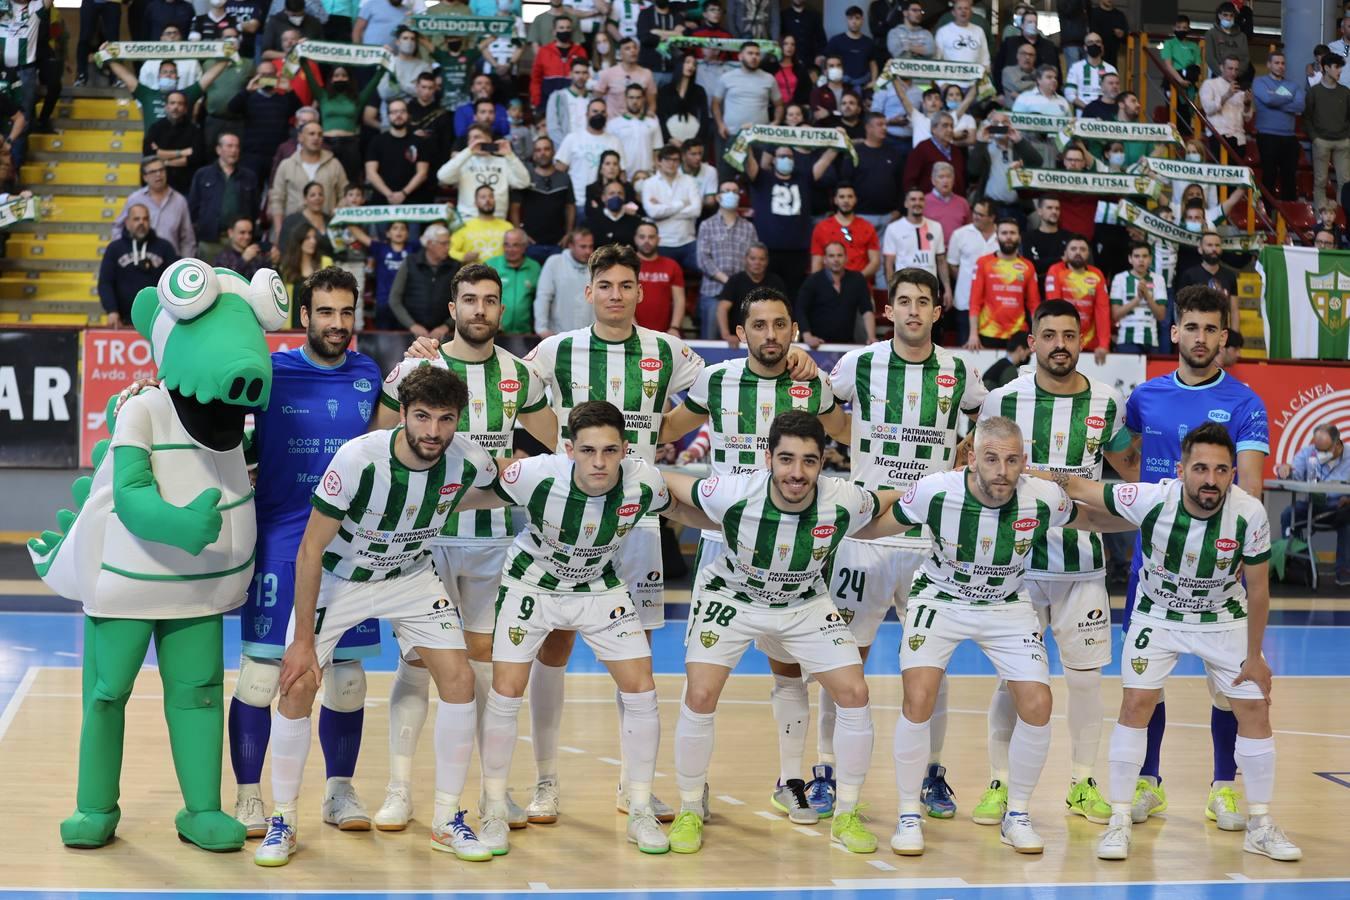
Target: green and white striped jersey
x=637, y=375
x=741, y=406
x=390, y=513
x=980, y=553
x=1064, y=433
x=904, y=416
x=1139, y=325
x=1191, y=575
x=571, y=538
x=501, y=387
x=772, y=559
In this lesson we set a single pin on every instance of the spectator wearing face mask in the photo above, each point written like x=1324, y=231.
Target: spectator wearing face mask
x=1083, y=84
x=292, y=15
x=176, y=141
x=581, y=151
x=1044, y=52
x=153, y=99
x=553, y=63
x=264, y=113
x=409, y=62
x=723, y=241
x=780, y=194
x=1226, y=40
x=187, y=71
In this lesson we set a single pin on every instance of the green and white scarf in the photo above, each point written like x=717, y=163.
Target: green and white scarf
x=1196, y=173
x=1107, y=130
x=18, y=209
x=786, y=135
x=1037, y=123
x=936, y=70
x=1098, y=183
x=334, y=53
x=139, y=51
x=724, y=45
x=468, y=26
x=404, y=212
x=1158, y=227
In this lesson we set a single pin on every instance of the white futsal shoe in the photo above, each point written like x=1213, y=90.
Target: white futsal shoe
x=1265, y=837
x=493, y=830
x=908, y=837
x=645, y=831
x=1115, y=841
x=341, y=807
x=249, y=809
x=662, y=811
x=397, y=809
x=1016, y=832
x=543, y=808
x=278, y=846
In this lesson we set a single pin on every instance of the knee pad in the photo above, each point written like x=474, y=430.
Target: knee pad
x=344, y=687
x=258, y=681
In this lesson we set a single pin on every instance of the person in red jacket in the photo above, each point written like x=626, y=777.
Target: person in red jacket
x=553, y=63
x=1004, y=294
x=938, y=148
x=1077, y=212
x=1084, y=286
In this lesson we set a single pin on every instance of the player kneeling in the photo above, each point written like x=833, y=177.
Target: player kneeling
x=1202, y=537
x=781, y=529
x=384, y=496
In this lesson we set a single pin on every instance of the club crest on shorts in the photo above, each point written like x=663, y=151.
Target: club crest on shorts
x=848, y=615
x=1139, y=664
x=262, y=625
x=708, y=638
x=516, y=634
x=916, y=641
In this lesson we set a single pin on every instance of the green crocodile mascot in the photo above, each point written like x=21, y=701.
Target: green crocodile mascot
x=162, y=543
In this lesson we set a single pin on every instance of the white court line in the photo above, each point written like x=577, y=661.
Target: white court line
x=566, y=749
x=810, y=832
x=66, y=653
x=906, y=883
x=881, y=865
x=609, y=761
x=538, y=886
x=729, y=800
x=1237, y=876
x=20, y=693
x=24, y=649
x=772, y=817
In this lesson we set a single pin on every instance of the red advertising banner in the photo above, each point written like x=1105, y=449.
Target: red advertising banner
x=113, y=359
x=1299, y=396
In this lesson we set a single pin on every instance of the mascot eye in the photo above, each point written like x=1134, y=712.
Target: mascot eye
x=187, y=289
x=269, y=300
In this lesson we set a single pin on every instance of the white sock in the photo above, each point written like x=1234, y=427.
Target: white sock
x=693, y=755
x=910, y=751
x=408, y=705
x=640, y=738
x=826, y=718
x=1256, y=758
x=290, y=748
x=937, y=724
x=1125, y=755
x=482, y=683
x=1085, y=719
x=546, y=703
x=791, y=707
x=1027, y=750
x=1002, y=718
x=455, y=729
x=623, y=763
x=499, y=742
x=855, y=754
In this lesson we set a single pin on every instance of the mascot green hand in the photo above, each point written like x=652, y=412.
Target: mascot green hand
x=162, y=542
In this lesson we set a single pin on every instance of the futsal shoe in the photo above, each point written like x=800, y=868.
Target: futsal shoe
x=1016, y=832
x=543, y=809
x=847, y=830
x=249, y=809
x=662, y=811
x=341, y=807
x=397, y=809
x=936, y=795
x=516, y=818
x=1265, y=837
x=1085, y=800
x=908, y=837
x=278, y=846
x=1223, y=808
x=1115, y=841
x=993, y=805
x=645, y=831
x=790, y=800
x=458, y=838
x=820, y=790
x=493, y=831
x=1149, y=799
x=686, y=834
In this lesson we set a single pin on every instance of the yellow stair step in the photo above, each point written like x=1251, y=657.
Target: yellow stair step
x=48, y=289
x=99, y=108
x=64, y=246
x=80, y=173
x=66, y=208
x=40, y=318
x=91, y=141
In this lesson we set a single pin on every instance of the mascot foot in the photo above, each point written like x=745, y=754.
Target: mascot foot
x=90, y=829
x=211, y=830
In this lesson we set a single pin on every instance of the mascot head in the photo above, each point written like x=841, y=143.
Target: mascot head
x=205, y=327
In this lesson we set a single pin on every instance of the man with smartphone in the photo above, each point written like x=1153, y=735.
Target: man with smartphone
x=484, y=161
x=998, y=148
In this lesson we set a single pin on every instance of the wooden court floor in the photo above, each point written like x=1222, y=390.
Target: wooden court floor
x=746, y=843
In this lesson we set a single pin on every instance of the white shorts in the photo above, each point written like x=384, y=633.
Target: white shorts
x=639, y=565
x=1151, y=649
x=415, y=605
x=471, y=573
x=814, y=635
x=1009, y=634
x=868, y=579
x=1078, y=614
x=606, y=621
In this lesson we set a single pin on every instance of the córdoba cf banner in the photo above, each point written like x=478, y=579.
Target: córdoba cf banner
x=1305, y=302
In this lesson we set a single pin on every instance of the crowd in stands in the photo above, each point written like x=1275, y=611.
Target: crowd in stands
x=583, y=128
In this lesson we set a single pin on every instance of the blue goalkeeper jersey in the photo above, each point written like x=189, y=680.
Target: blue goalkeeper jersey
x=1163, y=410
x=314, y=410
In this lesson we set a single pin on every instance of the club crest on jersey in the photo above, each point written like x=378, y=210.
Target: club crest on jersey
x=1191, y=558
x=916, y=641
x=649, y=366
x=766, y=411
x=627, y=511
x=332, y=408
x=508, y=408
x=1095, y=426
x=262, y=625
x=1024, y=528
x=412, y=510
x=1059, y=440
x=822, y=533
x=477, y=405
x=516, y=634
x=708, y=638
x=616, y=385
x=364, y=407
x=946, y=384
x=783, y=551
x=1139, y=664
x=589, y=529
x=985, y=544
x=912, y=398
